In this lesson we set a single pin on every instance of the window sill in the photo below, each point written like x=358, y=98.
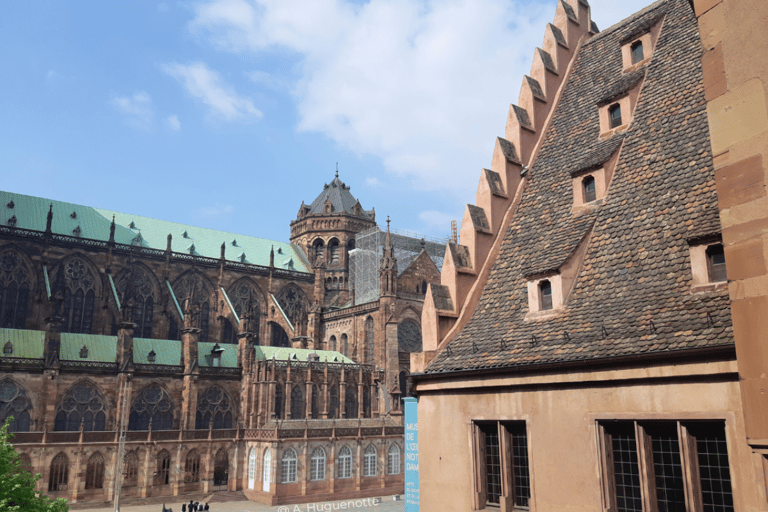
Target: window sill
x=709, y=287
x=543, y=315
x=636, y=65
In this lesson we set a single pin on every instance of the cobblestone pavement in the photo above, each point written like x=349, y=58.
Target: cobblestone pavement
x=383, y=504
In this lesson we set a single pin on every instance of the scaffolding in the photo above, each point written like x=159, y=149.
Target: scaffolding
x=365, y=259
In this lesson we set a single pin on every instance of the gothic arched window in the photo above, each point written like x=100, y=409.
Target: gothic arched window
x=152, y=403
x=345, y=463
x=192, y=286
x=409, y=336
x=288, y=470
x=94, y=472
x=350, y=402
x=81, y=403
x=136, y=285
x=319, y=247
x=79, y=296
x=369, y=341
x=332, y=342
x=214, y=405
x=295, y=305
x=59, y=474
x=14, y=291
x=298, y=405
x=333, y=247
x=393, y=460
x=370, y=463
x=163, y=472
x=279, y=401
x=221, y=468
x=344, y=344
x=14, y=402
x=192, y=467
x=333, y=407
x=317, y=463
x=244, y=298
x=130, y=469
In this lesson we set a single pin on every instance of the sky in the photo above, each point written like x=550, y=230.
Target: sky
x=227, y=114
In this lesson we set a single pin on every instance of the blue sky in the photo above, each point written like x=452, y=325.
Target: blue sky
x=227, y=114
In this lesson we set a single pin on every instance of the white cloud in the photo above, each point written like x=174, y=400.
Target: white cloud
x=271, y=81
x=425, y=85
x=372, y=181
x=173, y=122
x=215, y=210
x=137, y=109
x=206, y=85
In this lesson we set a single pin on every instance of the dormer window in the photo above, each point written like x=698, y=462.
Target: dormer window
x=716, y=263
x=216, y=352
x=84, y=352
x=151, y=357
x=636, y=51
x=589, y=189
x=545, y=295
x=8, y=348
x=614, y=115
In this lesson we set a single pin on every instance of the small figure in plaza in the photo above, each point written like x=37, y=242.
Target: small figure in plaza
x=205, y=507
x=183, y=507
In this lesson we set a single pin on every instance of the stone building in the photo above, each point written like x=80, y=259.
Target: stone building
x=226, y=362
x=587, y=348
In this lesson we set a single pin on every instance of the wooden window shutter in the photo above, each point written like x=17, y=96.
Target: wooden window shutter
x=507, y=499
x=481, y=485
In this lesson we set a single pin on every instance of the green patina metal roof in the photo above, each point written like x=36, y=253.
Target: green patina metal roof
x=301, y=354
x=228, y=357
x=32, y=212
x=100, y=348
x=28, y=344
x=167, y=352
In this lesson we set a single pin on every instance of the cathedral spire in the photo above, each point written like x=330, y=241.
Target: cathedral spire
x=112, y=232
x=388, y=269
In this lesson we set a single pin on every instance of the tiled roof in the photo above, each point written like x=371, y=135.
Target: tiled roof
x=301, y=354
x=102, y=349
x=94, y=223
x=341, y=199
x=26, y=344
x=167, y=352
x=632, y=293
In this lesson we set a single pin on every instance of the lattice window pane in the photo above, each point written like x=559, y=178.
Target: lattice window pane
x=520, y=464
x=393, y=460
x=370, y=461
x=288, y=469
x=716, y=490
x=492, y=464
x=667, y=466
x=317, y=471
x=345, y=463
x=625, y=467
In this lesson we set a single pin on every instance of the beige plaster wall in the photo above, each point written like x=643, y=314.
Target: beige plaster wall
x=561, y=420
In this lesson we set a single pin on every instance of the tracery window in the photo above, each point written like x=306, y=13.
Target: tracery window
x=370, y=461
x=163, y=473
x=152, y=404
x=79, y=296
x=221, y=468
x=298, y=405
x=279, y=336
x=214, y=405
x=345, y=463
x=317, y=465
x=82, y=402
x=136, y=285
x=350, y=402
x=393, y=460
x=94, y=472
x=333, y=407
x=369, y=340
x=14, y=402
x=191, y=286
x=192, y=467
x=294, y=304
x=59, y=474
x=409, y=336
x=244, y=298
x=315, y=412
x=14, y=291
x=130, y=469
x=288, y=469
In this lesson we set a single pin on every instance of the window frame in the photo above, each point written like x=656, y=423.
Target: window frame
x=545, y=304
x=317, y=465
x=515, y=487
x=720, y=274
x=645, y=438
x=370, y=461
x=614, y=122
x=394, y=458
x=289, y=463
x=344, y=469
x=638, y=43
x=589, y=195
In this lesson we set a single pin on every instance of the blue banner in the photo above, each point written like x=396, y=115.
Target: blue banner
x=411, y=455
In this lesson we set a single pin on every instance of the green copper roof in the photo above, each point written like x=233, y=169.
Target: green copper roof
x=94, y=223
x=100, y=348
x=228, y=357
x=167, y=352
x=27, y=344
x=301, y=354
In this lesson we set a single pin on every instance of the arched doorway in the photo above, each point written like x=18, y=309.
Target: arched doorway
x=220, y=470
x=252, y=468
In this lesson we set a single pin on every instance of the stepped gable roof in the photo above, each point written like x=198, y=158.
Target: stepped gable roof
x=342, y=200
x=94, y=223
x=632, y=293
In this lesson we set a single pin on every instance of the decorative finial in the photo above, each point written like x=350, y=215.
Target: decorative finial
x=387, y=221
x=337, y=169
x=223, y=248
x=168, y=244
x=272, y=257
x=50, y=220
x=112, y=231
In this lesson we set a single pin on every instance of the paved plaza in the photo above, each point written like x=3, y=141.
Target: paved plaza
x=382, y=504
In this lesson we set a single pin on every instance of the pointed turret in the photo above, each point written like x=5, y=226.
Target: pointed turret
x=388, y=268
